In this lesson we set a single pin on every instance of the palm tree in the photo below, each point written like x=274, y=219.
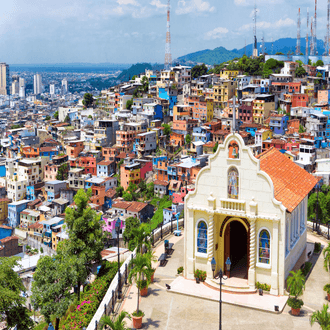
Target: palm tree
x=296, y=283
x=142, y=237
x=118, y=324
x=326, y=253
x=140, y=267
x=322, y=318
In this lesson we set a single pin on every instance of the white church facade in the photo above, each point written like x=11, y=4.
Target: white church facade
x=250, y=210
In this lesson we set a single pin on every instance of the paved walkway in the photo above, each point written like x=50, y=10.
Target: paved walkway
x=168, y=311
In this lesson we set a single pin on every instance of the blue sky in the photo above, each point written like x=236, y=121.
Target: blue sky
x=129, y=31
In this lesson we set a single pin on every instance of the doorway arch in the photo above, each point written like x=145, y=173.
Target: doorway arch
x=237, y=247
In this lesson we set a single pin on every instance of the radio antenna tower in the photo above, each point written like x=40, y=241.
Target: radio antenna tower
x=314, y=34
x=298, y=34
x=312, y=38
x=327, y=36
x=168, y=55
x=306, y=51
x=255, y=48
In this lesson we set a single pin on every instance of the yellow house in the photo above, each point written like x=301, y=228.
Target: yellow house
x=262, y=107
x=223, y=91
x=229, y=74
x=209, y=109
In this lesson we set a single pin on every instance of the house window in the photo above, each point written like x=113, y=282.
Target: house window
x=202, y=237
x=264, y=247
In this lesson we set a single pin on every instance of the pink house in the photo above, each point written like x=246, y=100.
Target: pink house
x=110, y=226
x=179, y=196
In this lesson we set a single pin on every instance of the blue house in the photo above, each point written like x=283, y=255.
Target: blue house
x=156, y=159
x=49, y=225
x=14, y=212
x=30, y=193
x=250, y=128
x=278, y=123
x=2, y=169
x=201, y=134
x=48, y=152
x=5, y=231
x=171, y=96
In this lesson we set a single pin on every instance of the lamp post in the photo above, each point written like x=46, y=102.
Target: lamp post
x=221, y=276
x=119, y=279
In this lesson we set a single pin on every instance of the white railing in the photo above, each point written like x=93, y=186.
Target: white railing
x=233, y=205
x=110, y=298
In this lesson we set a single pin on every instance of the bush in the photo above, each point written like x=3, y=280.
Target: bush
x=263, y=286
x=41, y=250
x=317, y=247
x=200, y=274
x=180, y=270
x=295, y=303
x=79, y=314
x=307, y=268
x=142, y=284
x=326, y=288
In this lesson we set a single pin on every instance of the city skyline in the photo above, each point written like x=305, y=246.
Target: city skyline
x=130, y=31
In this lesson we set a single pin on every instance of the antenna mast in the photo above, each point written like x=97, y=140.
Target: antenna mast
x=327, y=36
x=312, y=38
x=255, y=49
x=298, y=34
x=168, y=55
x=314, y=35
x=306, y=52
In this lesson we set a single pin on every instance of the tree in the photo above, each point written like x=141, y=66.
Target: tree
x=62, y=173
x=11, y=301
x=90, y=117
x=119, y=191
x=296, y=283
x=301, y=128
x=141, y=237
x=188, y=139
x=300, y=72
x=319, y=63
x=167, y=130
x=128, y=235
x=279, y=53
x=47, y=118
x=198, y=70
x=215, y=148
x=127, y=196
x=86, y=238
x=88, y=100
x=145, y=84
x=51, y=286
x=322, y=318
x=326, y=253
x=309, y=62
x=67, y=119
x=319, y=75
x=118, y=324
x=140, y=268
x=129, y=104
x=56, y=115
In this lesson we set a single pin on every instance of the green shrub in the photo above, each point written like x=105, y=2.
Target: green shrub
x=326, y=288
x=295, y=303
x=317, y=247
x=143, y=284
x=180, y=270
x=263, y=286
x=200, y=274
x=307, y=268
x=41, y=250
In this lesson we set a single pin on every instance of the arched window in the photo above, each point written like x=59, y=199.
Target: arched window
x=202, y=237
x=233, y=183
x=264, y=247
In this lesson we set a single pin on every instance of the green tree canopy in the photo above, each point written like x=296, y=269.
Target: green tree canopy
x=56, y=115
x=11, y=301
x=167, y=130
x=145, y=84
x=319, y=63
x=198, y=70
x=188, y=139
x=128, y=235
x=88, y=100
x=300, y=72
x=129, y=104
x=53, y=280
x=47, y=118
x=67, y=119
x=321, y=317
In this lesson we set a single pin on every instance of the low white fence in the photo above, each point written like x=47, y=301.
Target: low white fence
x=109, y=300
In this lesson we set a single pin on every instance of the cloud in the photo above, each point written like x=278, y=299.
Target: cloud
x=252, y=2
x=158, y=4
x=197, y=6
x=128, y=2
x=216, y=33
x=267, y=25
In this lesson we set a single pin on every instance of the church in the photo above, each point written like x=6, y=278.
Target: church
x=252, y=210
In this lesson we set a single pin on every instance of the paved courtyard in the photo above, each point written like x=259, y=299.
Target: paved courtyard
x=165, y=310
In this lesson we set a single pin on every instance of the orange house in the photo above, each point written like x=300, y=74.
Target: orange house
x=98, y=195
x=73, y=149
x=30, y=152
x=294, y=87
x=177, y=139
x=161, y=169
x=110, y=153
x=130, y=173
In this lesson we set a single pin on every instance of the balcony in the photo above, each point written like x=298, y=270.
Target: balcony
x=233, y=205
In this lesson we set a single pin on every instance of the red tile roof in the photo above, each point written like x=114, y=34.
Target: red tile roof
x=137, y=206
x=291, y=183
x=110, y=193
x=161, y=183
x=7, y=239
x=105, y=162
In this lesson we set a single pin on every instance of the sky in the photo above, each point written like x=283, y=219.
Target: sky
x=131, y=31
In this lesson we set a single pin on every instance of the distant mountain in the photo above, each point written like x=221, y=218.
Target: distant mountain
x=137, y=69
x=221, y=54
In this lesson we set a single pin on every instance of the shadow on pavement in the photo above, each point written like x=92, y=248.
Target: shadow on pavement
x=150, y=323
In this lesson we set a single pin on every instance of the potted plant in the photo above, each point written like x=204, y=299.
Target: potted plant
x=180, y=270
x=143, y=286
x=197, y=275
x=326, y=288
x=118, y=324
x=296, y=285
x=322, y=318
x=140, y=266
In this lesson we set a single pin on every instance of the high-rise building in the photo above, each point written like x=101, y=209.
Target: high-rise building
x=21, y=82
x=4, y=79
x=22, y=92
x=52, y=89
x=64, y=86
x=37, y=84
x=15, y=85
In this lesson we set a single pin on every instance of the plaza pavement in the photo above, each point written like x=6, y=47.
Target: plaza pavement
x=169, y=311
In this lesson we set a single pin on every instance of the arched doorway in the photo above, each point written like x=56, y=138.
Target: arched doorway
x=237, y=248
